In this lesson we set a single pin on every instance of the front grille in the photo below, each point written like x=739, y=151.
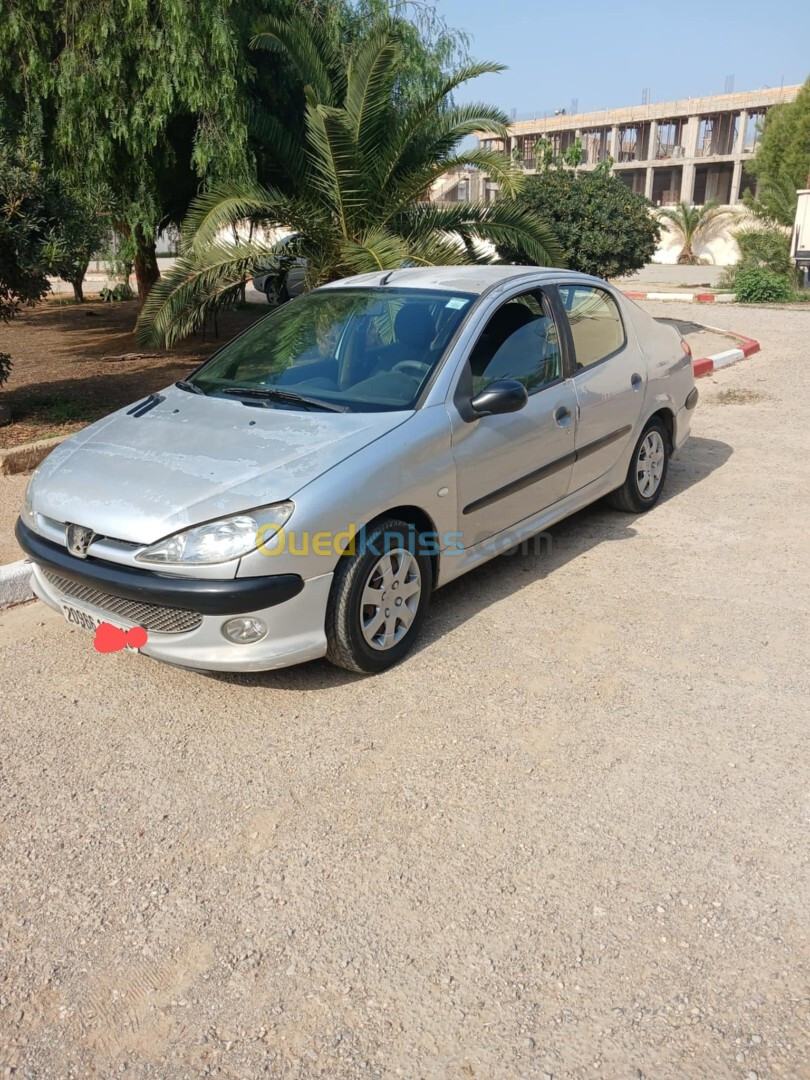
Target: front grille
x=161, y=620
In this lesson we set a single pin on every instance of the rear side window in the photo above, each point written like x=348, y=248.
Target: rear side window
x=595, y=322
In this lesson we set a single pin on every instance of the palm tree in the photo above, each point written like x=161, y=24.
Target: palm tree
x=775, y=200
x=358, y=175
x=693, y=222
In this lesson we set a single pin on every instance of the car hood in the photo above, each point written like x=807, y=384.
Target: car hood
x=191, y=459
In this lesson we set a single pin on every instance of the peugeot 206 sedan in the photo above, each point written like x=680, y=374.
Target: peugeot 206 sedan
x=303, y=492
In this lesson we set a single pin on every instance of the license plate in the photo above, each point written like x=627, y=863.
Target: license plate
x=87, y=621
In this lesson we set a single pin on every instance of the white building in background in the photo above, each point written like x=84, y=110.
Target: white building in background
x=676, y=151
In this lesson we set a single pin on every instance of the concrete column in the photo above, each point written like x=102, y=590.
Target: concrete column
x=648, y=183
x=743, y=122
x=736, y=177
x=688, y=183
x=652, y=142
x=690, y=136
x=614, y=142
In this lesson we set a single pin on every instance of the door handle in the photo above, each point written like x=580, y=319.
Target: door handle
x=563, y=416
x=636, y=381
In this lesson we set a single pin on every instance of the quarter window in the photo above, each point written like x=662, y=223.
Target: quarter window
x=520, y=342
x=596, y=325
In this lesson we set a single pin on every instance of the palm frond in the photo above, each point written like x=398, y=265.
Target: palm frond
x=378, y=249
x=423, y=113
x=502, y=223
x=308, y=46
x=230, y=202
x=414, y=186
x=335, y=169
x=371, y=77
x=197, y=285
x=286, y=147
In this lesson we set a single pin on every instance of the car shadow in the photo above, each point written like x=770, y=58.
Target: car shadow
x=534, y=560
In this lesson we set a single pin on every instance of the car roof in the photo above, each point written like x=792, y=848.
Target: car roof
x=475, y=279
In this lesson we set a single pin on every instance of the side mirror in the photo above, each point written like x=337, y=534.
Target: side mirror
x=501, y=396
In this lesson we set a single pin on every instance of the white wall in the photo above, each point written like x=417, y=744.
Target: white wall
x=717, y=248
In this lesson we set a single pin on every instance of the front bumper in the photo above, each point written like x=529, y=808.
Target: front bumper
x=294, y=612
x=208, y=596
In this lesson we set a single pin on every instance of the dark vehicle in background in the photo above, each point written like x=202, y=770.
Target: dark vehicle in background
x=283, y=276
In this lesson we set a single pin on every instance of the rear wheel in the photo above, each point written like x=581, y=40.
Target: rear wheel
x=379, y=599
x=645, y=478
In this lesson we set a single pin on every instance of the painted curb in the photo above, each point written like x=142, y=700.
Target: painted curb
x=18, y=459
x=705, y=365
x=684, y=298
x=15, y=583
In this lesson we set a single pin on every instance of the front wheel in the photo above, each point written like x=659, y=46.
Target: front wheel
x=379, y=599
x=644, y=483
x=276, y=292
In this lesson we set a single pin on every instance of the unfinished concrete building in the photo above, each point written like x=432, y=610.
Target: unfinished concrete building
x=691, y=151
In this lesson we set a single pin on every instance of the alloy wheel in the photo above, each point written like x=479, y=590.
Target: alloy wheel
x=390, y=599
x=650, y=464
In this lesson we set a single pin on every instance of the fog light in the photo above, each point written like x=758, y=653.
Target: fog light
x=244, y=631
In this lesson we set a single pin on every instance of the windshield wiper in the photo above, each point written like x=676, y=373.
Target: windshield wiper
x=288, y=396
x=184, y=384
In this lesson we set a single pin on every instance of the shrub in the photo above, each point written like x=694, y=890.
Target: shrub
x=604, y=229
x=5, y=367
x=756, y=285
x=121, y=291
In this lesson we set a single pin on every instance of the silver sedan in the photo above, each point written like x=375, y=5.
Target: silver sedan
x=306, y=489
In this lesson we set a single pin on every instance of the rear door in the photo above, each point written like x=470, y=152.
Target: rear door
x=512, y=466
x=609, y=378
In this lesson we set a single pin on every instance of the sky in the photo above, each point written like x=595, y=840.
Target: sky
x=606, y=54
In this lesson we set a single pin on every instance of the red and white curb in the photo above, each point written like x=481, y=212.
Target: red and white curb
x=707, y=364
x=685, y=297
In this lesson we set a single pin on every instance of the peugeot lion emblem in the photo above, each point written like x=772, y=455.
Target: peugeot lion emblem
x=79, y=540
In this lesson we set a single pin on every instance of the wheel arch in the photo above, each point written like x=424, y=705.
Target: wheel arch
x=411, y=515
x=667, y=418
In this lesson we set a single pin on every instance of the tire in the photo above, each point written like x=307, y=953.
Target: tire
x=647, y=473
x=276, y=293
x=370, y=637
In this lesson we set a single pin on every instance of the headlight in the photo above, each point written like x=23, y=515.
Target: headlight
x=27, y=514
x=218, y=541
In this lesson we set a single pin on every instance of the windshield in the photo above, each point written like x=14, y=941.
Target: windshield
x=362, y=350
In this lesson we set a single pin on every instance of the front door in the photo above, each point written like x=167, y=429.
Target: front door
x=512, y=466
x=610, y=378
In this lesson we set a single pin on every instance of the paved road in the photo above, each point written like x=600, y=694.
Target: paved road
x=567, y=837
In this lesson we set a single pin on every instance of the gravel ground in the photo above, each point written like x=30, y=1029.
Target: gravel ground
x=567, y=837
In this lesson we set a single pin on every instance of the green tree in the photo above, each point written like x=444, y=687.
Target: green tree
x=693, y=223
x=573, y=155
x=80, y=233
x=150, y=101
x=603, y=228
x=25, y=227
x=784, y=149
x=359, y=173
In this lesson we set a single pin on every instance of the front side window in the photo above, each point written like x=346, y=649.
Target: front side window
x=596, y=325
x=520, y=342
x=362, y=350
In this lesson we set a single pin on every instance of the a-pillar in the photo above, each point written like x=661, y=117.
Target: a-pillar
x=614, y=142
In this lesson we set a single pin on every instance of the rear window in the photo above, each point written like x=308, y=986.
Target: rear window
x=596, y=325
